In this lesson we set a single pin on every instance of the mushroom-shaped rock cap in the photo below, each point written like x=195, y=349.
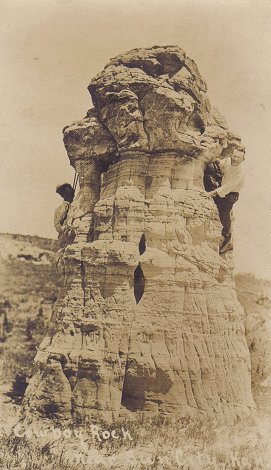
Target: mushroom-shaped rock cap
x=155, y=100
x=88, y=139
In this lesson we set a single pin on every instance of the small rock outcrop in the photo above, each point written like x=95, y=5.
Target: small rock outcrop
x=148, y=318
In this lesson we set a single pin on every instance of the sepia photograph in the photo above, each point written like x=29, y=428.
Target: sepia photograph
x=135, y=235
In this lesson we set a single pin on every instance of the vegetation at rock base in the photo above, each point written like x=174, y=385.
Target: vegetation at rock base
x=29, y=284
x=157, y=443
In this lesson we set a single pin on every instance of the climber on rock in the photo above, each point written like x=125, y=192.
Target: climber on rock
x=227, y=192
x=67, y=193
x=61, y=213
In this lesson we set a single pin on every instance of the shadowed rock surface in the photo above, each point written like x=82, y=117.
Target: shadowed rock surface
x=148, y=318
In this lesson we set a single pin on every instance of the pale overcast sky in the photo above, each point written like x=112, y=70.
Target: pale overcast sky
x=50, y=50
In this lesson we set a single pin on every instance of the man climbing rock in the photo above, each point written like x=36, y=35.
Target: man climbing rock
x=61, y=213
x=67, y=192
x=226, y=194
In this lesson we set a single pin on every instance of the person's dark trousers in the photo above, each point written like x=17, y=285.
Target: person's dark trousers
x=224, y=205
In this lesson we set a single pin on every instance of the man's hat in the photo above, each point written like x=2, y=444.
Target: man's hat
x=62, y=188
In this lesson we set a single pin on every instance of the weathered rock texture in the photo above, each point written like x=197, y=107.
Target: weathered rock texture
x=148, y=318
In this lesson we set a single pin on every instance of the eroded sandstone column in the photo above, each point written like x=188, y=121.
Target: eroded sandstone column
x=148, y=318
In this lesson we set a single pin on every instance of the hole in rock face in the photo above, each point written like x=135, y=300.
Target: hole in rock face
x=139, y=283
x=171, y=63
x=90, y=236
x=50, y=410
x=88, y=329
x=212, y=177
x=199, y=123
x=148, y=181
x=142, y=245
x=150, y=67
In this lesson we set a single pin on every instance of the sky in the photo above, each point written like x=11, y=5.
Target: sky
x=50, y=50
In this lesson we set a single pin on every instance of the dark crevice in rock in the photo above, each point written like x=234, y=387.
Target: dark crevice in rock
x=132, y=398
x=212, y=177
x=91, y=232
x=83, y=281
x=149, y=179
x=104, y=165
x=107, y=130
x=139, y=283
x=142, y=244
x=197, y=122
x=141, y=89
x=171, y=63
x=51, y=410
x=132, y=403
x=90, y=235
x=113, y=217
x=180, y=87
x=144, y=123
x=164, y=63
x=152, y=68
x=89, y=328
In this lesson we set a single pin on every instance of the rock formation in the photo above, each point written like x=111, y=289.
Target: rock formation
x=148, y=317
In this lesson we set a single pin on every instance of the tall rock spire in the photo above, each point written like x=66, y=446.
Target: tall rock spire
x=148, y=317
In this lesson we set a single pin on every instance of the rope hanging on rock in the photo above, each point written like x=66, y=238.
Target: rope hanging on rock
x=75, y=180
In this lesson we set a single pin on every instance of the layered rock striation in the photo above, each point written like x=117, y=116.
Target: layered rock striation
x=148, y=317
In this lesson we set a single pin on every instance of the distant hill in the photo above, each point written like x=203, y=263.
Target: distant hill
x=26, y=267
x=34, y=240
